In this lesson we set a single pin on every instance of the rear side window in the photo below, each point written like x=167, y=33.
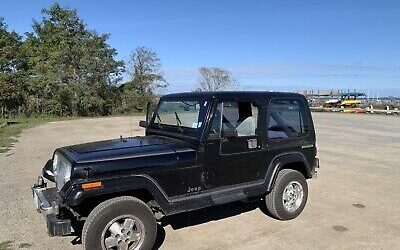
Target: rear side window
x=287, y=119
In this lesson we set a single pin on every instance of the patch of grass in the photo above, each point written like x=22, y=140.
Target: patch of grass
x=6, y=245
x=9, y=133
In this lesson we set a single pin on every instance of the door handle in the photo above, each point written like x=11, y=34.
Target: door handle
x=252, y=143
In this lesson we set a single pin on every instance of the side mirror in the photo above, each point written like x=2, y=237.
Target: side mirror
x=148, y=107
x=47, y=171
x=143, y=124
x=229, y=133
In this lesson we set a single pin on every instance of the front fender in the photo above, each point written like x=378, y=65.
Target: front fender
x=280, y=161
x=77, y=195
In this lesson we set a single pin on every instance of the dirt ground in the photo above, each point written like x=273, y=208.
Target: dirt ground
x=353, y=204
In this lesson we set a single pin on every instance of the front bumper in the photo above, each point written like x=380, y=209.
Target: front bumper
x=47, y=202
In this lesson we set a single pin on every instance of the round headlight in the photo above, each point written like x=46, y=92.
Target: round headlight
x=62, y=170
x=55, y=162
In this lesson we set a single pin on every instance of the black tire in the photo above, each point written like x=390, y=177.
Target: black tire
x=105, y=212
x=274, y=199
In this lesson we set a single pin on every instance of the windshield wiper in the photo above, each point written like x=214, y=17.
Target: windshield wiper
x=178, y=122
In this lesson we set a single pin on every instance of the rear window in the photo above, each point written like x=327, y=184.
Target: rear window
x=287, y=119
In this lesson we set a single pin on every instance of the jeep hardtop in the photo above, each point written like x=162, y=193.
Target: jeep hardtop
x=200, y=149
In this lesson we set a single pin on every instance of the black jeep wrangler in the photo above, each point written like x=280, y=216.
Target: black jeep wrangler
x=200, y=150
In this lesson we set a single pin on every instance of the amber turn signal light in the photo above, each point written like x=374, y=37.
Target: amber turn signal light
x=92, y=185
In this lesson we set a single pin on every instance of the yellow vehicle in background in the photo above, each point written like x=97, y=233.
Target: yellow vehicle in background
x=346, y=102
x=351, y=100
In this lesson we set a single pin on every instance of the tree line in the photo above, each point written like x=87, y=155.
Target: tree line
x=62, y=68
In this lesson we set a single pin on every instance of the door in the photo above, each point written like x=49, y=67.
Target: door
x=234, y=153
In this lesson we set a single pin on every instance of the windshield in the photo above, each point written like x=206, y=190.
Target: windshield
x=183, y=116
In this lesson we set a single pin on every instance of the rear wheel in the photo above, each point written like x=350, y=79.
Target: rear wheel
x=289, y=195
x=123, y=223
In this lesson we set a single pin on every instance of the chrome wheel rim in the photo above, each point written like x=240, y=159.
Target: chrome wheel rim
x=125, y=232
x=292, y=196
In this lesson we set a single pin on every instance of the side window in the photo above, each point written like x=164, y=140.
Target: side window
x=236, y=116
x=286, y=119
x=215, y=127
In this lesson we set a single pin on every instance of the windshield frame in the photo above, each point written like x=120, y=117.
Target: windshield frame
x=182, y=131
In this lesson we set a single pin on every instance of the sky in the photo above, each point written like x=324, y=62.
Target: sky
x=267, y=45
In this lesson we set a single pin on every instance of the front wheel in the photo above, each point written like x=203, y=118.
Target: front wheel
x=123, y=223
x=289, y=195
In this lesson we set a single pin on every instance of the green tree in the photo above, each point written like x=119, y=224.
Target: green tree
x=146, y=79
x=11, y=69
x=71, y=68
x=216, y=79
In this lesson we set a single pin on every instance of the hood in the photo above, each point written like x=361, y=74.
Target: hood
x=124, y=148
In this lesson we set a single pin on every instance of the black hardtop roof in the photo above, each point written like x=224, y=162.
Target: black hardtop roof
x=232, y=94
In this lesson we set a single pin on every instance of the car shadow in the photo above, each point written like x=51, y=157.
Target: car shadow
x=202, y=216
x=160, y=237
x=205, y=215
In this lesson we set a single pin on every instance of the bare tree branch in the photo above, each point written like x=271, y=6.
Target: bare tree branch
x=216, y=79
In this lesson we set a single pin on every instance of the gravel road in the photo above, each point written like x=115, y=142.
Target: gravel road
x=353, y=204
